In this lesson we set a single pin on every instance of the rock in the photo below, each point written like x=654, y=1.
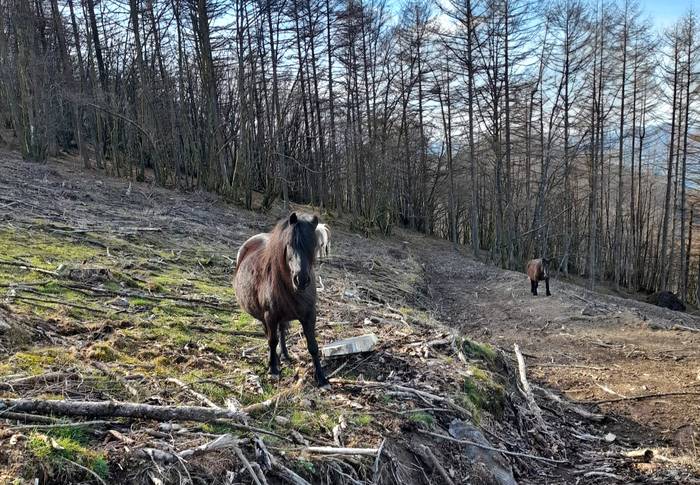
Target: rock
x=353, y=345
x=610, y=437
x=281, y=420
x=666, y=299
x=487, y=462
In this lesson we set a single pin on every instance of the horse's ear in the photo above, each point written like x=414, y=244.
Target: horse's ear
x=314, y=221
x=293, y=218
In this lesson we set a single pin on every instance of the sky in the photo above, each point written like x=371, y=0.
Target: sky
x=665, y=12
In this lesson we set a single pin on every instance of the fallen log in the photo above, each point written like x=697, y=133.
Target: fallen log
x=118, y=409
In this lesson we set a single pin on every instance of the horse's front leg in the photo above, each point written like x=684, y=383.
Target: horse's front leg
x=309, y=325
x=546, y=281
x=283, y=328
x=272, y=339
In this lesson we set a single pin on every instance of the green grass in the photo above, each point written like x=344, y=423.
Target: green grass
x=56, y=447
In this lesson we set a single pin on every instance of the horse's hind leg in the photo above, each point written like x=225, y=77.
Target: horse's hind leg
x=546, y=282
x=309, y=326
x=272, y=340
x=284, y=327
x=533, y=287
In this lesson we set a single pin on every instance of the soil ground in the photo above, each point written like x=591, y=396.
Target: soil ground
x=160, y=306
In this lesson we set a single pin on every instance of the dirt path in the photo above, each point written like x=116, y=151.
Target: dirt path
x=588, y=346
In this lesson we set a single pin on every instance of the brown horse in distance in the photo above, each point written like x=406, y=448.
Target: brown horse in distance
x=538, y=270
x=275, y=283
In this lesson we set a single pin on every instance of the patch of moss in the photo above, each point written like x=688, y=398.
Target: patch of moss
x=217, y=428
x=140, y=302
x=312, y=422
x=62, y=444
x=162, y=333
x=422, y=417
x=168, y=281
x=479, y=374
x=363, y=420
x=223, y=292
x=43, y=249
x=481, y=392
x=37, y=361
x=104, y=352
x=305, y=466
x=6, y=369
x=220, y=347
x=72, y=432
x=477, y=350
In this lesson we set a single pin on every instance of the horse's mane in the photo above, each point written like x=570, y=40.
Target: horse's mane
x=282, y=235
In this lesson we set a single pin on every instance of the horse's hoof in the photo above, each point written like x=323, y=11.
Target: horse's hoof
x=288, y=358
x=325, y=387
x=274, y=377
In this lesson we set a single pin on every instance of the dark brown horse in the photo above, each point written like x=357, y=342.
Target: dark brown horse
x=538, y=270
x=275, y=283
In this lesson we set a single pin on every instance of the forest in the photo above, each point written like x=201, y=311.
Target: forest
x=518, y=128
